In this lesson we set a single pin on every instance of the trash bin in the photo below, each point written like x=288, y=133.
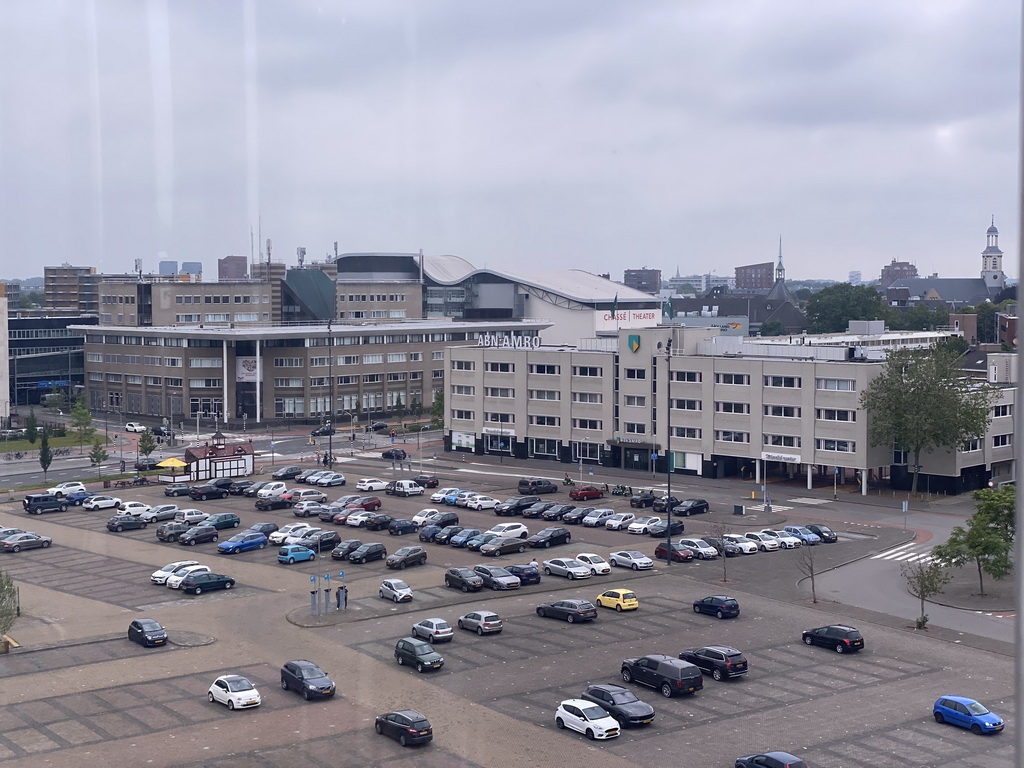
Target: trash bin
x=106, y=483
x=738, y=509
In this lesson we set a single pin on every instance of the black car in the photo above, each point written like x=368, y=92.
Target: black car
x=664, y=503
x=426, y=481
x=464, y=579
x=515, y=505
x=120, y=523
x=837, y=636
x=663, y=529
x=286, y=473
x=723, y=546
x=238, y=487
x=368, y=552
x=405, y=557
x=376, y=426
x=303, y=476
x=272, y=502
x=306, y=678
x=223, y=520
x=503, y=545
x=722, y=606
x=620, y=704
x=254, y=489
x=549, y=536
x=528, y=574
x=319, y=541
x=199, y=534
x=172, y=530
x=147, y=464
x=378, y=522
x=197, y=583
x=323, y=431
x=826, y=534
x=689, y=507
x=429, y=532
x=395, y=454
x=538, y=509
x=345, y=548
x=265, y=528
x=417, y=653
x=208, y=491
x=666, y=674
x=571, y=610
x=147, y=633
x=720, y=661
x=642, y=499
x=406, y=726
x=557, y=512
x=402, y=527
x=444, y=536
x=161, y=432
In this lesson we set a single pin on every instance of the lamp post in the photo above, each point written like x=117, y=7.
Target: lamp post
x=352, y=423
x=330, y=428
x=668, y=449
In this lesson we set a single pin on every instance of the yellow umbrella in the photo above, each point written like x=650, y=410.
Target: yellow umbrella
x=172, y=462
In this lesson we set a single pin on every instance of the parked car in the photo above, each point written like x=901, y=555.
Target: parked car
x=191, y=516
x=688, y=507
x=549, y=537
x=426, y=481
x=701, y=549
x=826, y=534
x=764, y=542
x=407, y=726
x=428, y=533
x=444, y=536
x=556, y=512
x=663, y=504
x=464, y=579
x=243, y=542
x=664, y=529
x=596, y=563
x=197, y=583
x=175, y=579
x=239, y=487
x=841, y=638
x=460, y=538
x=160, y=576
x=439, y=495
x=266, y=503
x=527, y=574
x=785, y=540
x=63, y=489
x=496, y=578
x=514, y=530
x=319, y=540
x=299, y=495
x=395, y=590
x=503, y=545
x=120, y=523
x=806, y=535
x=265, y=528
x=417, y=653
x=585, y=493
x=345, y=548
x=571, y=610
x=568, y=567
x=514, y=505
x=719, y=661
x=723, y=547
x=100, y=502
x=619, y=521
x=223, y=520
x=147, y=632
x=16, y=542
x=176, y=489
x=452, y=497
x=134, y=426
x=135, y=508
x=287, y=473
x=586, y=718
x=147, y=464
x=478, y=541
x=680, y=553
x=481, y=622
x=208, y=491
x=311, y=508
x=371, y=484
x=966, y=713
x=200, y=534
x=722, y=606
x=378, y=522
x=367, y=552
x=773, y=759
x=75, y=498
x=642, y=499
x=306, y=678
x=402, y=527
x=538, y=509
x=331, y=480
x=406, y=556
x=234, y=692
x=745, y=545
x=295, y=553
x=641, y=526
x=433, y=630
x=172, y=530
x=638, y=561
x=160, y=512
x=37, y=503
x=365, y=503
x=663, y=673
x=480, y=502
x=620, y=703
x=598, y=517
x=395, y=454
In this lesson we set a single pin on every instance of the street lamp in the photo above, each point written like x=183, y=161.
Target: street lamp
x=330, y=428
x=668, y=448
x=352, y=422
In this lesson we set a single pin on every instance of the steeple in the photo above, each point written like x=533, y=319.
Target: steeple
x=780, y=271
x=992, y=260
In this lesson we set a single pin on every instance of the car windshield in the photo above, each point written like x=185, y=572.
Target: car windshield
x=976, y=709
x=623, y=697
x=151, y=626
x=594, y=559
x=399, y=585
x=594, y=713
x=309, y=673
x=237, y=684
x=238, y=537
x=575, y=564
x=499, y=572
x=824, y=529
x=404, y=551
x=636, y=555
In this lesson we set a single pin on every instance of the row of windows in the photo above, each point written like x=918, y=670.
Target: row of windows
x=786, y=382
x=320, y=341
x=41, y=333
x=220, y=317
x=220, y=299
x=376, y=314
x=392, y=297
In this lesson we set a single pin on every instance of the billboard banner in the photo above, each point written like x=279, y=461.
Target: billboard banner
x=246, y=370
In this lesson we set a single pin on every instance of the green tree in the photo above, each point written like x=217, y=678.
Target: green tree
x=437, y=410
x=924, y=580
x=921, y=402
x=920, y=317
x=45, y=454
x=32, y=427
x=773, y=328
x=831, y=309
x=954, y=345
x=999, y=505
x=416, y=407
x=986, y=312
x=979, y=543
x=98, y=455
x=147, y=444
x=8, y=603
x=81, y=421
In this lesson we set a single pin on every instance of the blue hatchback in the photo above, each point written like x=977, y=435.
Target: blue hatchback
x=77, y=497
x=967, y=713
x=460, y=538
x=451, y=497
x=243, y=542
x=295, y=553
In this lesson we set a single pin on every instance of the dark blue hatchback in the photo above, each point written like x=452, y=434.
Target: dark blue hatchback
x=528, y=574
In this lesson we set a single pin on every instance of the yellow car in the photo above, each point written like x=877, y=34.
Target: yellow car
x=619, y=599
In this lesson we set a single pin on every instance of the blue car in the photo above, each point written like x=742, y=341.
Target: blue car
x=402, y=527
x=806, y=535
x=243, y=542
x=295, y=553
x=77, y=497
x=967, y=713
x=451, y=497
x=463, y=536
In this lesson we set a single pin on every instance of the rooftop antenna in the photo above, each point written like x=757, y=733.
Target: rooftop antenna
x=301, y=253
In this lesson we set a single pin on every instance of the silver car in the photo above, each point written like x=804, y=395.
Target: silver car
x=395, y=590
x=701, y=549
x=569, y=567
x=159, y=512
x=481, y=622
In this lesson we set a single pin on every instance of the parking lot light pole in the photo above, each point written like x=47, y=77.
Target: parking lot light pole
x=668, y=449
x=330, y=410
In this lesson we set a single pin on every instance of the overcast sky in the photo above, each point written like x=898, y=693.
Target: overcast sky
x=591, y=134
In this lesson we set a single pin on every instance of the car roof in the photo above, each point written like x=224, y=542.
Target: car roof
x=581, y=703
x=726, y=649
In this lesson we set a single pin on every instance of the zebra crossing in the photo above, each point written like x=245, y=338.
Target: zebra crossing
x=808, y=500
x=907, y=553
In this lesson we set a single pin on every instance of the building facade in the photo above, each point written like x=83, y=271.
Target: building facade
x=70, y=288
x=755, y=277
x=232, y=268
x=644, y=280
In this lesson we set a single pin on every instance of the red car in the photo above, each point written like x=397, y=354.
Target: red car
x=680, y=554
x=340, y=518
x=585, y=493
x=368, y=503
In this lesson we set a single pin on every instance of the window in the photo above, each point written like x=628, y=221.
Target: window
x=1002, y=410
x=545, y=394
x=95, y=376
x=415, y=357
x=586, y=424
x=154, y=381
x=217, y=317
x=586, y=370
x=500, y=418
x=784, y=411
x=130, y=379
x=464, y=415
x=686, y=405
x=587, y=397
x=132, y=359
x=206, y=383
x=288, y=362
x=396, y=377
x=691, y=432
x=636, y=373
x=634, y=428
x=732, y=407
x=787, y=382
x=739, y=379
x=173, y=382
x=289, y=407
x=93, y=357
x=348, y=360
x=172, y=362
x=687, y=376
x=463, y=365
x=971, y=445
x=437, y=354
x=246, y=317
x=839, y=446
x=786, y=441
x=545, y=421
x=114, y=378
x=183, y=318
x=1000, y=441
x=112, y=358
x=437, y=373
x=348, y=380
x=731, y=436
x=318, y=381
x=463, y=389
x=499, y=392
x=545, y=370
x=204, y=362
x=372, y=378
x=500, y=367
x=319, y=362
x=288, y=383
x=638, y=401
x=372, y=359
x=834, y=414
x=396, y=357
x=835, y=385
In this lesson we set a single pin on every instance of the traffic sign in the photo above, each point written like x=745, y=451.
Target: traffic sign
x=341, y=574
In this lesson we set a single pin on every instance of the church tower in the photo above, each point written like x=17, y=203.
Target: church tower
x=992, y=261
x=780, y=271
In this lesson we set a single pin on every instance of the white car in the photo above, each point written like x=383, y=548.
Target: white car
x=190, y=516
x=588, y=718
x=747, y=547
x=785, y=540
x=596, y=563
x=438, y=496
x=638, y=561
x=175, y=579
x=135, y=508
x=568, y=567
x=619, y=521
x=701, y=549
x=764, y=542
x=395, y=590
x=463, y=499
x=359, y=519
x=331, y=479
x=134, y=426
x=371, y=484
x=421, y=517
x=308, y=494
x=275, y=488
x=642, y=525
x=101, y=502
x=482, y=502
x=161, y=576
x=234, y=692
x=282, y=533
x=300, y=533
x=598, y=518
x=160, y=512
x=63, y=489
x=515, y=530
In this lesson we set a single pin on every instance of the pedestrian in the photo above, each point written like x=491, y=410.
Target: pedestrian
x=318, y=458
x=534, y=563
x=122, y=466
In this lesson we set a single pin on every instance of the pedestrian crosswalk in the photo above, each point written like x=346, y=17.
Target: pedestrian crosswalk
x=760, y=508
x=907, y=553
x=808, y=500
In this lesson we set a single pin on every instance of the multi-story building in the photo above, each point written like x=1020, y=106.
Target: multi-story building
x=192, y=268
x=44, y=355
x=644, y=280
x=755, y=277
x=164, y=301
x=12, y=290
x=232, y=268
x=167, y=268
x=701, y=403
x=897, y=270
x=70, y=288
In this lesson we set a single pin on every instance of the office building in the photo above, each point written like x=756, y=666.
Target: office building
x=755, y=277
x=644, y=280
x=232, y=268
x=70, y=288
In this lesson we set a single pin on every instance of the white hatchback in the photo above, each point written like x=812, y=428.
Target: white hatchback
x=701, y=549
x=482, y=502
x=642, y=525
x=175, y=579
x=586, y=718
x=371, y=484
x=514, y=530
x=135, y=508
x=747, y=547
x=421, y=517
x=161, y=576
x=785, y=540
x=764, y=542
x=596, y=563
x=134, y=426
x=438, y=496
x=282, y=533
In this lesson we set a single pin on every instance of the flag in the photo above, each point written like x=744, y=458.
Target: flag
x=615, y=305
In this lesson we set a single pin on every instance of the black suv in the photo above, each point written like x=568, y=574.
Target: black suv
x=287, y=473
x=620, y=703
x=306, y=678
x=213, y=489
x=664, y=503
x=406, y=556
x=323, y=431
x=120, y=523
x=842, y=638
x=720, y=661
x=199, y=534
x=536, y=485
x=515, y=505
x=688, y=507
x=37, y=503
x=668, y=675
x=464, y=579
x=421, y=654
x=368, y=552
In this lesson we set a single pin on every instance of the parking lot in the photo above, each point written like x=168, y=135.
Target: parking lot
x=493, y=702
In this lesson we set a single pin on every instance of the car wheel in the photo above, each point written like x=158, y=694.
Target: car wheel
x=199, y=590
x=939, y=718
x=636, y=567
x=234, y=524
x=214, y=538
x=696, y=609
x=262, y=544
x=593, y=571
x=377, y=727
x=720, y=615
x=305, y=694
x=613, y=563
x=627, y=676
x=118, y=528
x=807, y=640
x=570, y=618
x=430, y=639
x=976, y=729
x=401, y=738
x=590, y=734
x=547, y=571
x=231, y=705
x=840, y=648
x=666, y=690
x=45, y=544
x=618, y=609
x=210, y=697
x=419, y=668
x=401, y=661
x=143, y=525
x=203, y=497
x=192, y=543
x=542, y=613
x=401, y=566
x=291, y=561
x=717, y=674
x=559, y=723
x=423, y=561
x=480, y=631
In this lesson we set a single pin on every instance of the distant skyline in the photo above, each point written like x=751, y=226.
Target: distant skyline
x=588, y=134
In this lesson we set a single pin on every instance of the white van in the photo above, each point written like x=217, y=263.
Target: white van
x=407, y=488
x=269, y=490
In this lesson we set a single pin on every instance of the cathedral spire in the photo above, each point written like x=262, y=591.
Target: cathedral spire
x=780, y=271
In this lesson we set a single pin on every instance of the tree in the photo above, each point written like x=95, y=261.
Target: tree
x=924, y=580
x=437, y=410
x=805, y=563
x=999, y=505
x=147, y=444
x=98, y=455
x=831, y=309
x=986, y=312
x=45, y=454
x=921, y=402
x=416, y=407
x=81, y=421
x=32, y=427
x=8, y=604
x=979, y=543
x=773, y=328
